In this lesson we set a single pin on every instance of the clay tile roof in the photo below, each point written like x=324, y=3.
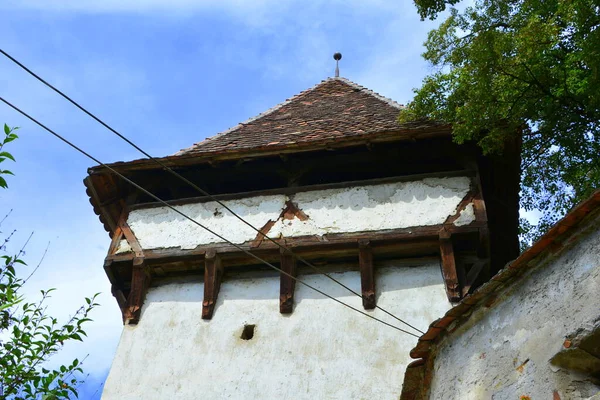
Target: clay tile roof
x=335, y=108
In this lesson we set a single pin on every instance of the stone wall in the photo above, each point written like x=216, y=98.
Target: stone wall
x=505, y=352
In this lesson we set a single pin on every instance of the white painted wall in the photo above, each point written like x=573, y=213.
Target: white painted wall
x=321, y=351
x=530, y=322
x=367, y=208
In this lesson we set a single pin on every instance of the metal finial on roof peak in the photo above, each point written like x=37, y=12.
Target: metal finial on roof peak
x=337, y=57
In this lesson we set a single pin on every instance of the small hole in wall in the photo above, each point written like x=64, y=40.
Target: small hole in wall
x=248, y=332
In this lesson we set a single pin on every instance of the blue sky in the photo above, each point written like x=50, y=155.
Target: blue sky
x=167, y=75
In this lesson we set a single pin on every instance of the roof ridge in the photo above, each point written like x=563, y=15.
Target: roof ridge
x=378, y=96
x=271, y=110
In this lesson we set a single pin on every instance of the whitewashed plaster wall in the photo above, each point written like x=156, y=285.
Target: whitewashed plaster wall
x=321, y=351
x=504, y=352
x=366, y=208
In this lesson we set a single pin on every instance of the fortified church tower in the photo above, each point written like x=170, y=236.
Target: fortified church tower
x=400, y=214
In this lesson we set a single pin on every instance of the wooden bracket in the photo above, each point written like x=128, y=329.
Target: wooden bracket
x=140, y=281
x=129, y=303
x=123, y=230
x=473, y=275
x=116, y=240
x=213, y=274
x=449, y=267
x=120, y=296
x=287, y=284
x=478, y=201
x=367, y=274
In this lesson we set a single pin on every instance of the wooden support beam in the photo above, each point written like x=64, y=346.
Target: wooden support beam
x=213, y=274
x=484, y=251
x=287, y=284
x=123, y=231
x=132, y=240
x=140, y=280
x=473, y=274
x=449, y=267
x=114, y=243
x=120, y=296
x=367, y=275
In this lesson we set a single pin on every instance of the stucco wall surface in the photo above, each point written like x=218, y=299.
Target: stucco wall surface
x=366, y=208
x=321, y=351
x=504, y=352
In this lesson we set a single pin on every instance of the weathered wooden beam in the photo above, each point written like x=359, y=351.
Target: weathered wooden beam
x=473, y=275
x=120, y=296
x=116, y=239
x=402, y=238
x=406, y=134
x=97, y=201
x=213, y=274
x=287, y=284
x=131, y=239
x=367, y=274
x=449, y=267
x=140, y=280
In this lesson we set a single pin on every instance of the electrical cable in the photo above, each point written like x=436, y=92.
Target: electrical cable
x=198, y=188
x=194, y=221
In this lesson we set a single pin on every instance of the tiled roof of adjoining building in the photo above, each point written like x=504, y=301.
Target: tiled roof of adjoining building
x=418, y=374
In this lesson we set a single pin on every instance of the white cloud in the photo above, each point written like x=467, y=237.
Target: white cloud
x=253, y=12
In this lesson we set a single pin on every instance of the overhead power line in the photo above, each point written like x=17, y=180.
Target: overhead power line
x=158, y=199
x=199, y=189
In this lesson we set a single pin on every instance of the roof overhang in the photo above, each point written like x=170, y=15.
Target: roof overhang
x=102, y=184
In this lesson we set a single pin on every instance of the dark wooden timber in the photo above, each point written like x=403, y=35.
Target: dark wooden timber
x=473, y=275
x=449, y=267
x=116, y=239
x=132, y=240
x=287, y=284
x=140, y=280
x=120, y=297
x=402, y=242
x=367, y=274
x=213, y=274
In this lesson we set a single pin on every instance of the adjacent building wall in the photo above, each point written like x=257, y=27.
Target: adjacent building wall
x=321, y=351
x=504, y=352
x=355, y=209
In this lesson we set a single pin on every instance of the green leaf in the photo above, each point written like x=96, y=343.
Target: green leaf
x=10, y=138
x=6, y=129
x=6, y=154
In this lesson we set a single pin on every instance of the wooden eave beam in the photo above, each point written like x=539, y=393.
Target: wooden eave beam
x=409, y=133
x=448, y=264
x=131, y=304
x=472, y=275
x=367, y=274
x=140, y=281
x=287, y=284
x=213, y=274
x=100, y=207
x=399, y=241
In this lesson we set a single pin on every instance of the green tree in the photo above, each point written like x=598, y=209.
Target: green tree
x=521, y=67
x=28, y=335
